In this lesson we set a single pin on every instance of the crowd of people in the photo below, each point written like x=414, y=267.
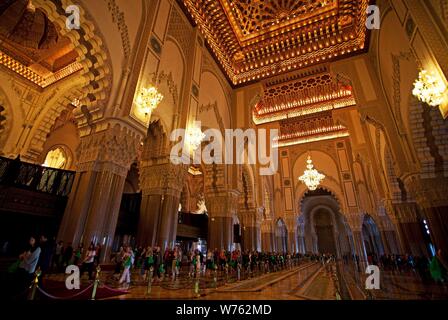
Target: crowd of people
x=144, y=261
x=49, y=256
x=434, y=268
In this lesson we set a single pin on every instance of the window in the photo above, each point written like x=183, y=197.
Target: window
x=56, y=158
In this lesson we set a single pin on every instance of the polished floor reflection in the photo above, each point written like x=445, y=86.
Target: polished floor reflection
x=308, y=281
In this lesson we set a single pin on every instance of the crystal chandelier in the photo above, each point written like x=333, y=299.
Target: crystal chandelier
x=311, y=177
x=149, y=99
x=194, y=137
x=429, y=89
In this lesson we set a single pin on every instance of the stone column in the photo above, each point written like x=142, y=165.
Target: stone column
x=251, y=228
x=94, y=203
x=386, y=244
x=355, y=221
x=291, y=224
x=360, y=249
x=222, y=209
x=393, y=241
x=161, y=188
x=267, y=236
x=431, y=196
x=301, y=241
x=438, y=226
x=411, y=233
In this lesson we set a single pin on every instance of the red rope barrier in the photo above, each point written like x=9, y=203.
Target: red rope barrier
x=114, y=290
x=64, y=298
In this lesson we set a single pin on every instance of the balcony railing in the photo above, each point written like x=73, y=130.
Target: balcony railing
x=15, y=173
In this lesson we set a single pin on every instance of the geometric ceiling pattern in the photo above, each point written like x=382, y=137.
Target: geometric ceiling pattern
x=258, y=39
x=311, y=128
x=302, y=96
x=31, y=46
x=303, y=105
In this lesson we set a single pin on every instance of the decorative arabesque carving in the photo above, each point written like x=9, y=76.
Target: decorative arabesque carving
x=207, y=107
x=113, y=149
x=396, y=77
x=255, y=16
x=157, y=79
x=93, y=55
x=155, y=143
x=164, y=179
x=4, y=125
x=118, y=18
x=181, y=30
x=157, y=174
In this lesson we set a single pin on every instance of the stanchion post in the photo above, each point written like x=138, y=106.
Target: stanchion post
x=196, y=287
x=238, y=271
x=227, y=272
x=215, y=276
x=96, y=282
x=151, y=274
x=35, y=284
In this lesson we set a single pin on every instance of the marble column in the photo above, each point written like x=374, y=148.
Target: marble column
x=292, y=238
x=93, y=206
x=161, y=188
x=292, y=242
x=431, y=197
x=360, y=249
x=438, y=226
x=267, y=236
x=251, y=229
x=386, y=244
x=392, y=240
x=411, y=233
x=301, y=248
x=222, y=206
x=248, y=238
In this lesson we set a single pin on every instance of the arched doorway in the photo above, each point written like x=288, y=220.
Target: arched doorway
x=323, y=225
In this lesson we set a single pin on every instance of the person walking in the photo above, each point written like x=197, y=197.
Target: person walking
x=89, y=262
x=437, y=269
x=27, y=266
x=128, y=260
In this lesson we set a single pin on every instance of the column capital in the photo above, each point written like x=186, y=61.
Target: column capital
x=266, y=226
x=163, y=179
x=355, y=221
x=291, y=223
x=405, y=212
x=251, y=217
x=428, y=192
x=386, y=223
x=222, y=203
x=112, y=147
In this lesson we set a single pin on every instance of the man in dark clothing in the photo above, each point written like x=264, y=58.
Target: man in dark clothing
x=67, y=255
x=45, y=257
x=46, y=254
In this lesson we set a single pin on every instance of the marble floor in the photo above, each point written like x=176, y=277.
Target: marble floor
x=307, y=281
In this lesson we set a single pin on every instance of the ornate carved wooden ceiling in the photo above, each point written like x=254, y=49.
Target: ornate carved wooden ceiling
x=256, y=39
x=311, y=128
x=301, y=96
x=303, y=105
x=30, y=44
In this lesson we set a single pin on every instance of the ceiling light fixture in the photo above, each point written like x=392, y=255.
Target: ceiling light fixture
x=149, y=99
x=311, y=177
x=430, y=89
